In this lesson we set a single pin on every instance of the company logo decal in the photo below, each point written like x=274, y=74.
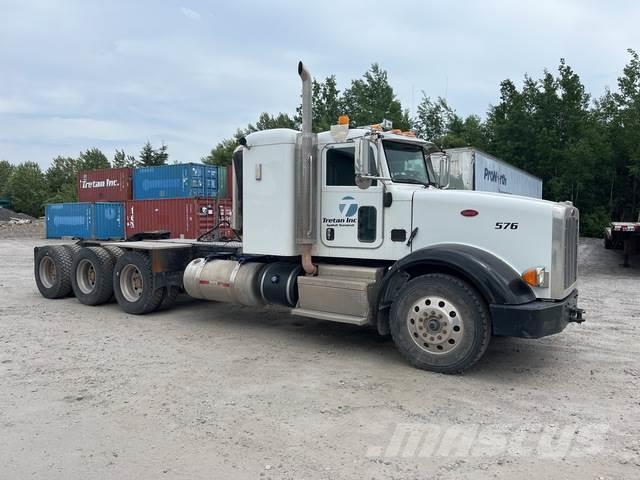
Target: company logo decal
x=348, y=206
x=495, y=177
x=107, y=183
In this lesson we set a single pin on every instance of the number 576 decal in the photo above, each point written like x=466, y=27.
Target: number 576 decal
x=506, y=226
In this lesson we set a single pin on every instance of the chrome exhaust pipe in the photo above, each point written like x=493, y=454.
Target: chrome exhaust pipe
x=305, y=187
x=307, y=112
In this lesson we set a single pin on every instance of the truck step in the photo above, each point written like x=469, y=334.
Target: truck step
x=333, y=317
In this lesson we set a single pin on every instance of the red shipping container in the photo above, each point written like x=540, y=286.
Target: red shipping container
x=106, y=185
x=183, y=217
x=230, y=185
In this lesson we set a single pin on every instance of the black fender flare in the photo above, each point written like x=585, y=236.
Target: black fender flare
x=497, y=282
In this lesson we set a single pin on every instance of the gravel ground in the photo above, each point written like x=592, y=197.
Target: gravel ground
x=218, y=391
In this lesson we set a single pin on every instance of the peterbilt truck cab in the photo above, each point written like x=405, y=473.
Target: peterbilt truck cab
x=388, y=244
x=353, y=225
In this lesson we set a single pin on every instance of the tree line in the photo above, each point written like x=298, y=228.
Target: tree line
x=585, y=148
x=29, y=188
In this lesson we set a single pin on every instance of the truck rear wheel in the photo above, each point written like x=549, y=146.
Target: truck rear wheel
x=169, y=297
x=92, y=276
x=53, y=271
x=440, y=323
x=115, y=252
x=133, y=284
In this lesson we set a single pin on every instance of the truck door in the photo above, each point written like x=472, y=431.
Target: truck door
x=350, y=217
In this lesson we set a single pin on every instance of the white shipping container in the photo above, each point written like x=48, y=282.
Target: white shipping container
x=473, y=169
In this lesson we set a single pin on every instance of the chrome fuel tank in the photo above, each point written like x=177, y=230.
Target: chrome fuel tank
x=224, y=281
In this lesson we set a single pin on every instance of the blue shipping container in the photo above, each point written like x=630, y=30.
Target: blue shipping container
x=186, y=180
x=88, y=221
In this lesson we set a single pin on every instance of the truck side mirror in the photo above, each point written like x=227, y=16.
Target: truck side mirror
x=361, y=162
x=444, y=177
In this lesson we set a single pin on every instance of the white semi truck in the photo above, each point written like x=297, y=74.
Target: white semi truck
x=353, y=226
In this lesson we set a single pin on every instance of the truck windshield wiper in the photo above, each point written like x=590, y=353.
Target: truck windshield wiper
x=414, y=181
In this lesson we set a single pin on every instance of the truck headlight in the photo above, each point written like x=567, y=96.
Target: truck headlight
x=536, y=277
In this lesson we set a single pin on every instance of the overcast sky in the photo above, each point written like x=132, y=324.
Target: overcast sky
x=77, y=74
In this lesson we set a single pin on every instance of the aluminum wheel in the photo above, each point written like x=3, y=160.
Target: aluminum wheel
x=86, y=276
x=131, y=283
x=47, y=272
x=435, y=324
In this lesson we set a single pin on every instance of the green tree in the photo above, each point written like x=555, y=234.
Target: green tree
x=327, y=106
x=92, y=159
x=221, y=154
x=437, y=122
x=433, y=118
x=371, y=99
x=5, y=172
x=161, y=155
x=550, y=129
x=27, y=188
x=626, y=102
x=150, y=157
x=122, y=160
x=267, y=122
x=147, y=155
x=61, y=180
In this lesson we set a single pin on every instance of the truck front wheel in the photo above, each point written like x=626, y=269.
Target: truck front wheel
x=133, y=284
x=440, y=323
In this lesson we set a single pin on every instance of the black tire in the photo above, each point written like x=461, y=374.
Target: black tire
x=92, y=276
x=133, y=284
x=169, y=296
x=73, y=248
x=608, y=244
x=115, y=252
x=52, y=269
x=440, y=323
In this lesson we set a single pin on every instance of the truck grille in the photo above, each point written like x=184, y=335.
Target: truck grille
x=571, y=248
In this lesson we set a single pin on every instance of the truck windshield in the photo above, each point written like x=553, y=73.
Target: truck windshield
x=407, y=163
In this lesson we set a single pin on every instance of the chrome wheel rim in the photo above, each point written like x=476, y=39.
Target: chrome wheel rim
x=435, y=324
x=86, y=276
x=47, y=272
x=131, y=283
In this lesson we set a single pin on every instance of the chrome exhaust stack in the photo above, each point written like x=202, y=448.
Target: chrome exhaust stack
x=306, y=188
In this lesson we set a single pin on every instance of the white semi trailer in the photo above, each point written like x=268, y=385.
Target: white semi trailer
x=473, y=169
x=353, y=226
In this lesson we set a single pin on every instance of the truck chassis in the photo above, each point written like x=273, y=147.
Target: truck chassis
x=429, y=314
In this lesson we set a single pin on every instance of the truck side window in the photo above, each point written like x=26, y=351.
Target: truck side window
x=367, y=224
x=341, y=170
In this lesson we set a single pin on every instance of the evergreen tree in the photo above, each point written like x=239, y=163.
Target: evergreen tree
x=5, y=172
x=160, y=155
x=147, y=155
x=121, y=160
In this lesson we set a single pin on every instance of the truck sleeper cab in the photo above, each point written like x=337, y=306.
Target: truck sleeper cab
x=353, y=226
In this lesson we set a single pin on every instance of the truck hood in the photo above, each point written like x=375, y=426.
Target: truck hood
x=519, y=230
x=470, y=195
